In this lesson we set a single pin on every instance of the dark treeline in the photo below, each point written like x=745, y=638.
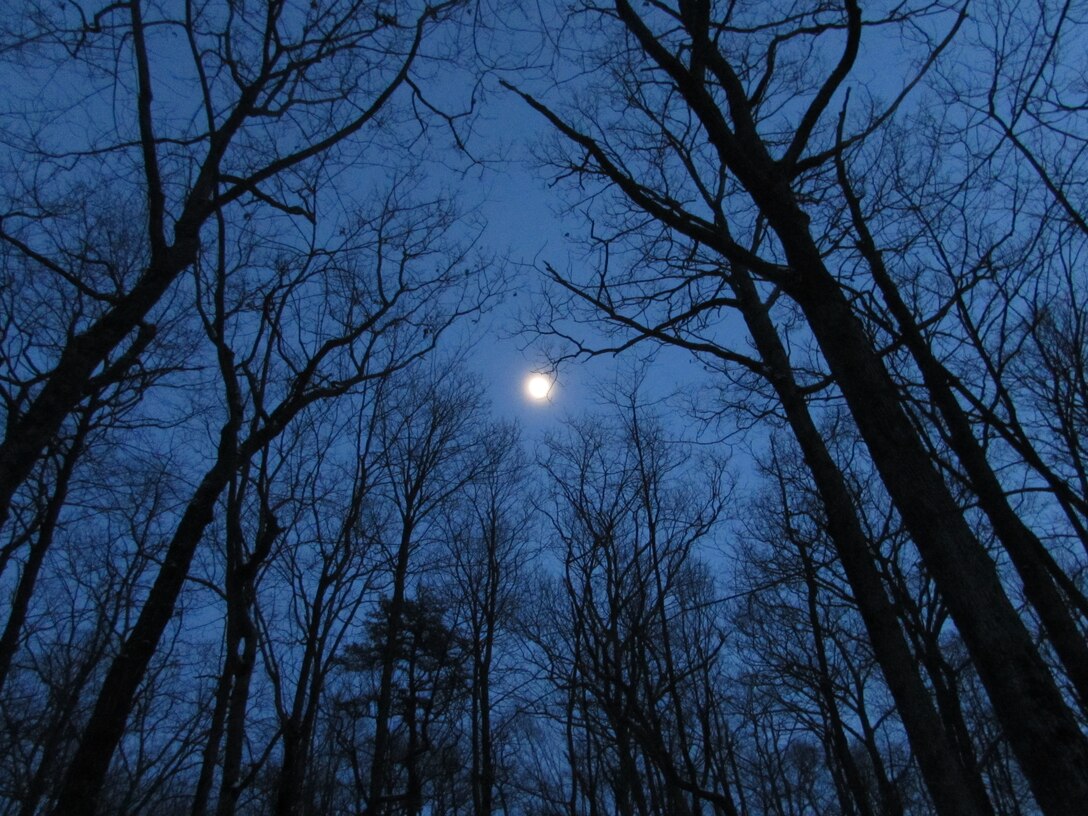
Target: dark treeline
x=265, y=549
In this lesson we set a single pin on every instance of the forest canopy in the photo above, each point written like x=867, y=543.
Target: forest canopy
x=267, y=547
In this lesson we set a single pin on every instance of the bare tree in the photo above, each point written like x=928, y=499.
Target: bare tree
x=323, y=575
x=387, y=293
x=713, y=162
x=268, y=99
x=489, y=544
x=636, y=636
x=91, y=580
x=434, y=445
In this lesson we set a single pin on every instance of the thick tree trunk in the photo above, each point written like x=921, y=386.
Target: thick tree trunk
x=1041, y=729
x=292, y=771
x=1027, y=552
x=83, y=782
x=955, y=791
x=67, y=384
x=242, y=671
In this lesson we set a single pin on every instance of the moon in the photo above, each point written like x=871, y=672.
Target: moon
x=538, y=386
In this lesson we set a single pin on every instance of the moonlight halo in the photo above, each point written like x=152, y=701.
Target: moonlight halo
x=538, y=386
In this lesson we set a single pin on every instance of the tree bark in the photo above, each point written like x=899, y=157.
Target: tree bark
x=210, y=755
x=82, y=784
x=1040, y=727
x=955, y=790
x=67, y=384
x=1027, y=552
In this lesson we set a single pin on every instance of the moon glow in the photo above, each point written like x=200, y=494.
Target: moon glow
x=538, y=386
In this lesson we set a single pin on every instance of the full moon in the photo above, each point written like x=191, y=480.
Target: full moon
x=538, y=386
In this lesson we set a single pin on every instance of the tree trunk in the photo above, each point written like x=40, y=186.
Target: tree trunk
x=1040, y=727
x=20, y=603
x=292, y=772
x=483, y=782
x=955, y=791
x=242, y=633
x=298, y=725
x=858, y=797
x=379, y=769
x=210, y=756
x=1027, y=552
x=83, y=782
x=242, y=671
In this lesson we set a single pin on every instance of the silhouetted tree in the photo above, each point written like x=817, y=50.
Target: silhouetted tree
x=717, y=155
